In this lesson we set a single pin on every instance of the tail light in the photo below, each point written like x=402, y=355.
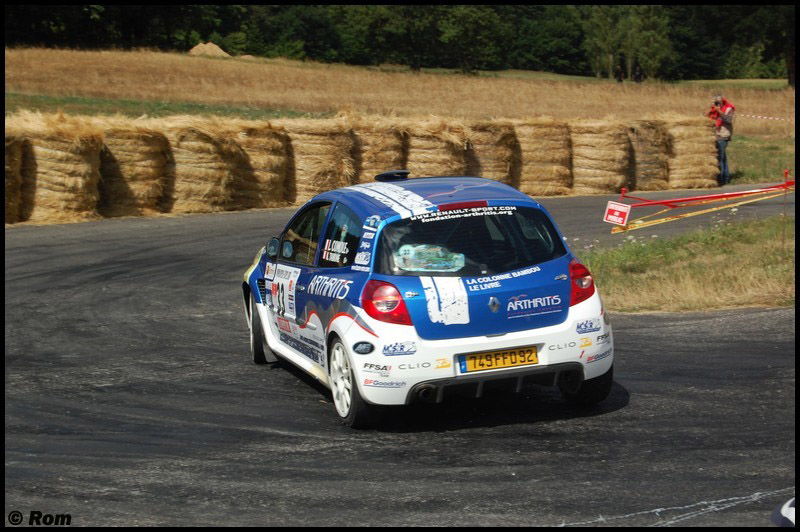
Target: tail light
x=581, y=283
x=383, y=302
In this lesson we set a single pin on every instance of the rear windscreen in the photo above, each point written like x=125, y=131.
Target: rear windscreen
x=468, y=242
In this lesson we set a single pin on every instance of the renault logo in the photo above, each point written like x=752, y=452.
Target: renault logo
x=494, y=304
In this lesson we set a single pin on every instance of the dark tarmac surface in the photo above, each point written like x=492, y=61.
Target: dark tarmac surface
x=130, y=399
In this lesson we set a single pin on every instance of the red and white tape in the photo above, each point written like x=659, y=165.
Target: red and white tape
x=769, y=118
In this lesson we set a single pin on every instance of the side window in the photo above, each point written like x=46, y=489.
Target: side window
x=340, y=243
x=299, y=243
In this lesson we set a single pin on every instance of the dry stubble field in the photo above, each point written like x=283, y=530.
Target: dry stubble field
x=315, y=88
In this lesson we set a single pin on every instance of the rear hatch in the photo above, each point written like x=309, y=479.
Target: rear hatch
x=477, y=271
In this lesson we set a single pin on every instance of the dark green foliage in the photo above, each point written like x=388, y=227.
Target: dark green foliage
x=671, y=42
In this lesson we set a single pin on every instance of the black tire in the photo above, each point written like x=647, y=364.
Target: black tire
x=591, y=391
x=352, y=409
x=261, y=352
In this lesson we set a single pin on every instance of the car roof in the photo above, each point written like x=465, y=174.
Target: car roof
x=389, y=198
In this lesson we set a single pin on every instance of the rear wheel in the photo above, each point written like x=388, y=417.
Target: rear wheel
x=261, y=352
x=353, y=410
x=591, y=391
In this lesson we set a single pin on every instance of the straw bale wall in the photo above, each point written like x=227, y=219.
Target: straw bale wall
x=13, y=179
x=436, y=148
x=545, y=157
x=600, y=156
x=693, y=158
x=494, y=152
x=322, y=155
x=204, y=175
x=650, y=149
x=61, y=168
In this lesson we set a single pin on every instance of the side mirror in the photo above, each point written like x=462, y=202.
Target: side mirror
x=272, y=248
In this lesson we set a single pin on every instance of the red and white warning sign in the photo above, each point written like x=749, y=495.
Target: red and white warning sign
x=617, y=213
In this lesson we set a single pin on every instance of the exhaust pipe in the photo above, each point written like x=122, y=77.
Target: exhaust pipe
x=570, y=381
x=426, y=393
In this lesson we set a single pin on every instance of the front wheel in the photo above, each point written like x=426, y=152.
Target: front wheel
x=353, y=410
x=591, y=391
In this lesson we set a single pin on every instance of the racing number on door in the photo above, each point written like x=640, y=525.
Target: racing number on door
x=283, y=290
x=279, y=298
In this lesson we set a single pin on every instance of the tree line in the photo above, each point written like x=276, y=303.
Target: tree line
x=663, y=42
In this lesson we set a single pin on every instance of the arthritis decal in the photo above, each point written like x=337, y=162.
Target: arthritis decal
x=322, y=285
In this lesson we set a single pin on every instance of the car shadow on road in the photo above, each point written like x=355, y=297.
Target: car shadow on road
x=533, y=405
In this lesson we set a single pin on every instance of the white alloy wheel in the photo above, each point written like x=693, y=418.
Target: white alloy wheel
x=341, y=379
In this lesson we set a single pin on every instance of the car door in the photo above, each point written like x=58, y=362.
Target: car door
x=294, y=269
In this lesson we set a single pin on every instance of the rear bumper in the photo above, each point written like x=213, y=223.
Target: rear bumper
x=402, y=366
x=434, y=391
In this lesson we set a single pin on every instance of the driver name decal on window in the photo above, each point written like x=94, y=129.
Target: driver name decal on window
x=333, y=250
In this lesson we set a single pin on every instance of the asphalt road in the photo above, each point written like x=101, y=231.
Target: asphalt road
x=130, y=399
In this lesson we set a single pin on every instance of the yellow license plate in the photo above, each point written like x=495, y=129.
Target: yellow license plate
x=507, y=358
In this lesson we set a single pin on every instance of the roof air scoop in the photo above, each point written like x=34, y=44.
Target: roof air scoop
x=393, y=175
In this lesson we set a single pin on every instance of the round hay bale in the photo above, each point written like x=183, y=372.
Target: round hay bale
x=436, y=148
x=545, y=157
x=494, y=152
x=61, y=174
x=262, y=170
x=693, y=157
x=601, y=153
x=204, y=173
x=133, y=169
x=226, y=164
x=321, y=156
x=650, y=154
x=381, y=145
x=13, y=179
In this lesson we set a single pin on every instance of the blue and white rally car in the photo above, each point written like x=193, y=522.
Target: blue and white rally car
x=412, y=289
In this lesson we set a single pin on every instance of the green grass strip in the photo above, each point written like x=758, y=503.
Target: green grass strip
x=731, y=264
x=79, y=105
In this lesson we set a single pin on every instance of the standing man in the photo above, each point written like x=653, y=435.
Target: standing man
x=722, y=114
x=637, y=74
x=619, y=74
